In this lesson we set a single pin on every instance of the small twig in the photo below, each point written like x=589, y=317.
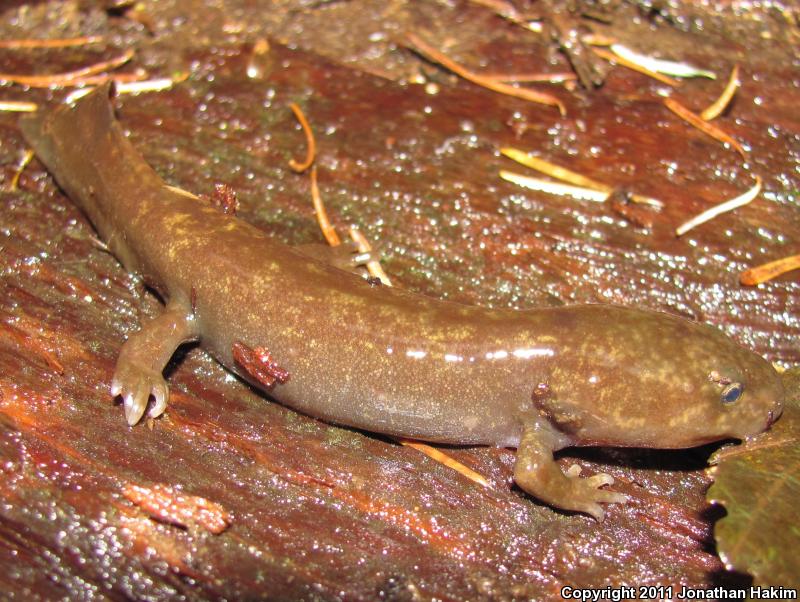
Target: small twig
x=311, y=148
x=157, y=84
x=182, y=192
x=551, y=169
x=598, y=39
x=86, y=85
x=577, y=192
x=768, y=271
x=549, y=78
x=480, y=80
x=118, y=78
x=122, y=83
x=18, y=106
x=614, y=58
x=499, y=7
x=566, y=175
x=702, y=125
x=23, y=163
x=730, y=205
x=640, y=199
x=443, y=458
x=659, y=65
x=53, y=43
x=69, y=77
x=716, y=108
x=332, y=237
x=507, y=11
x=130, y=87
x=328, y=230
x=373, y=266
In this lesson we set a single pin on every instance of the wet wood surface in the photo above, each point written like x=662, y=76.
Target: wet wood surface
x=230, y=495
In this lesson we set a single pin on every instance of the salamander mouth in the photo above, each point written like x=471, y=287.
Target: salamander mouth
x=772, y=418
x=700, y=440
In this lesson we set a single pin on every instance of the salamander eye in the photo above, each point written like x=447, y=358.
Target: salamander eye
x=732, y=393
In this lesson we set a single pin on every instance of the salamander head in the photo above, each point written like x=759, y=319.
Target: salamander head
x=717, y=389
x=657, y=380
x=742, y=393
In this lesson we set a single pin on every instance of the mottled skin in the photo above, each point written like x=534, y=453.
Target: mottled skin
x=391, y=361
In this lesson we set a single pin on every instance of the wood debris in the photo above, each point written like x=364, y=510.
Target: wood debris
x=768, y=271
x=169, y=505
x=581, y=184
x=486, y=82
x=448, y=461
x=121, y=86
x=557, y=188
x=709, y=214
x=328, y=230
x=610, y=56
x=669, y=68
x=67, y=78
x=27, y=157
x=311, y=145
x=51, y=43
x=551, y=169
x=373, y=265
x=18, y=106
x=520, y=78
x=701, y=124
x=716, y=108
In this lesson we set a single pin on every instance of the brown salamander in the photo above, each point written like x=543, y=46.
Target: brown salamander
x=329, y=344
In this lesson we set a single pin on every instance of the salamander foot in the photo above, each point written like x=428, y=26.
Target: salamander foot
x=536, y=472
x=136, y=384
x=586, y=496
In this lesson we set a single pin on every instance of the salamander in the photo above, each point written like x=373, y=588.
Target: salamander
x=327, y=343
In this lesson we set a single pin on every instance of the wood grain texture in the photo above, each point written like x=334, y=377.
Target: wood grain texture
x=323, y=513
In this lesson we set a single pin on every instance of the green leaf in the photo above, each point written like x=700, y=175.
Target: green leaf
x=759, y=486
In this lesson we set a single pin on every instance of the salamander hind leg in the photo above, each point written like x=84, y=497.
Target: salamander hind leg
x=143, y=357
x=537, y=473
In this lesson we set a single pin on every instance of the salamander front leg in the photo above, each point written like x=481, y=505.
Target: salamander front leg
x=537, y=473
x=144, y=356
